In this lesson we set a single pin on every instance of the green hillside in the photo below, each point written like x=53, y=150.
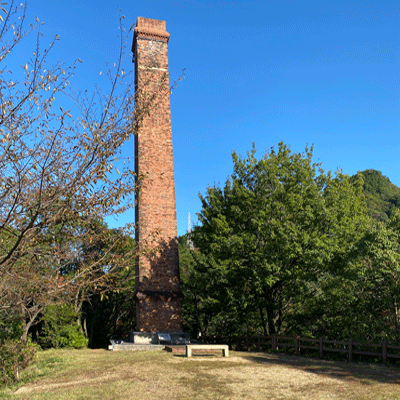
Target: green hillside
x=382, y=196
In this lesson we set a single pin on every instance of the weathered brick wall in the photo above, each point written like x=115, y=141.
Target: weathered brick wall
x=157, y=276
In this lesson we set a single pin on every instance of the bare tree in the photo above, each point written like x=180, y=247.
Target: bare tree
x=58, y=178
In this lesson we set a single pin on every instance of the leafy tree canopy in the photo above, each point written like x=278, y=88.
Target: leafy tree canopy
x=381, y=195
x=277, y=224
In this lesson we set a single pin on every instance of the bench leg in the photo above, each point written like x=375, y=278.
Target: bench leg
x=225, y=352
x=188, y=352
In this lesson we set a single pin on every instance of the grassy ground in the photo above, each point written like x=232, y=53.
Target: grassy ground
x=99, y=374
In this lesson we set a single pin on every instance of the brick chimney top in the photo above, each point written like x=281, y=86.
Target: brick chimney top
x=153, y=24
x=151, y=29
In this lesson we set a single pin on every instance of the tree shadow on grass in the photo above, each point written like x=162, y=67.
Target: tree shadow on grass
x=364, y=373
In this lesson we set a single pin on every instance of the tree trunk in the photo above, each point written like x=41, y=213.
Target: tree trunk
x=264, y=326
x=32, y=318
x=279, y=317
x=396, y=313
x=78, y=303
x=271, y=318
x=84, y=327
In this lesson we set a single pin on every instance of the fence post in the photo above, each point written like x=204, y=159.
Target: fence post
x=384, y=351
x=274, y=342
x=321, y=348
x=350, y=350
x=296, y=345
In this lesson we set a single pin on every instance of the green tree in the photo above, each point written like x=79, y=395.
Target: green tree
x=60, y=328
x=206, y=294
x=381, y=195
x=278, y=225
x=363, y=295
x=375, y=263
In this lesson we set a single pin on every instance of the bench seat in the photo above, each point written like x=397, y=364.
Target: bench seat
x=223, y=347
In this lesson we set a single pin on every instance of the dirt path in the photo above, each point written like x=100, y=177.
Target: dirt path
x=60, y=385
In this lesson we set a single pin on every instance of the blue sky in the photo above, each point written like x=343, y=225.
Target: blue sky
x=304, y=72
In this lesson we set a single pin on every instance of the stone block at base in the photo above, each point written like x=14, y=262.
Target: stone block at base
x=127, y=346
x=143, y=338
x=157, y=337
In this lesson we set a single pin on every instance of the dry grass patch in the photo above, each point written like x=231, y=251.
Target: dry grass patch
x=290, y=377
x=99, y=374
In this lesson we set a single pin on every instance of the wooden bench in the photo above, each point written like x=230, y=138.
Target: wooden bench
x=223, y=347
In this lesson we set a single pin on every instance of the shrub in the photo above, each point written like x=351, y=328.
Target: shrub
x=61, y=329
x=14, y=357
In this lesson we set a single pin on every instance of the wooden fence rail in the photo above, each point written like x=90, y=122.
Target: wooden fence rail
x=321, y=346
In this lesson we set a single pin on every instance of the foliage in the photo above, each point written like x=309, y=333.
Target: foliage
x=14, y=357
x=61, y=329
x=366, y=292
x=204, y=290
x=11, y=325
x=361, y=300
x=382, y=196
x=277, y=229
x=376, y=261
x=110, y=315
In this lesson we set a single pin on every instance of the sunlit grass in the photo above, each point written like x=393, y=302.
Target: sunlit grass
x=100, y=374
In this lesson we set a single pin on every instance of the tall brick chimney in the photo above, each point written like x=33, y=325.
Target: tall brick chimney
x=158, y=293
